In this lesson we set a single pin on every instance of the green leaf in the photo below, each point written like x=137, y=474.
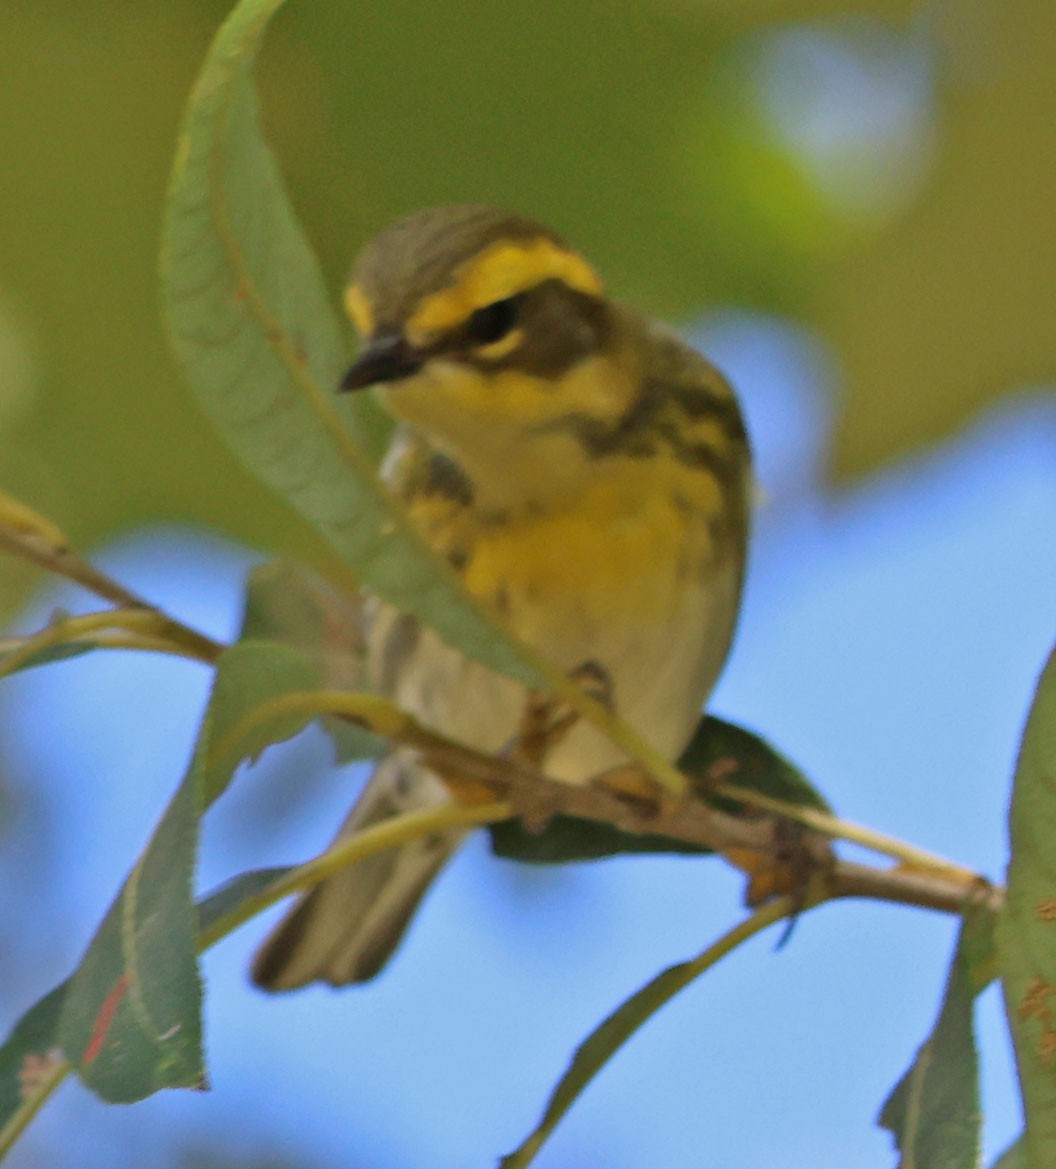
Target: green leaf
x=29, y=1052
x=290, y=604
x=1014, y=1157
x=717, y=746
x=131, y=1018
x=248, y=674
x=721, y=749
x=596, y=1050
x=252, y=325
x=569, y=840
x=131, y=1022
x=613, y=1032
x=934, y=1111
x=1027, y=926
x=33, y=1046
x=31, y=1056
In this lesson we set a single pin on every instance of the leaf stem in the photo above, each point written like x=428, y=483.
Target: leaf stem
x=923, y=888
x=922, y=878
x=33, y=537
x=840, y=829
x=138, y=629
x=388, y=834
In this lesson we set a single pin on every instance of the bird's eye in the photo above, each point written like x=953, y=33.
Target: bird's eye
x=493, y=321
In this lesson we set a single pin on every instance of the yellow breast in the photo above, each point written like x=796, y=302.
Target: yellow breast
x=628, y=541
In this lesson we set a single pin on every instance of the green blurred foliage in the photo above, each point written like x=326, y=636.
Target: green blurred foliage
x=634, y=126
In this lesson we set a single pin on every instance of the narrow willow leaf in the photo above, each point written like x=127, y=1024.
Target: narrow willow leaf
x=131, y=1020
x=19, y=522
x=934, y=1111
x=613, y=1032
x=248, y=675
x=251, y=323
x=1027, y=927
x=744, y=759
x=596, y=1051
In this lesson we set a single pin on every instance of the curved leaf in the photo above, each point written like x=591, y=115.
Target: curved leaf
x=614, y=1031
x=131, y=1020
x=1027, y=927
x=13, y=660
x=31, y=1060
x=252, y=325
x=934, y=1110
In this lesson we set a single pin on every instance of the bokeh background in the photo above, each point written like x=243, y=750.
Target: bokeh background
x=849, y=206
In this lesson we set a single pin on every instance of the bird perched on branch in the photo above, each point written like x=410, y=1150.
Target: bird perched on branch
x=585, y=472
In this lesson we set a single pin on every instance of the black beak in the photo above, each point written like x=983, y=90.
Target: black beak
x=387, y=358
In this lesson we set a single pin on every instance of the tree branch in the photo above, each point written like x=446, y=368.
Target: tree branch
x=927, y=889
x=760, y=845
x=33, y=537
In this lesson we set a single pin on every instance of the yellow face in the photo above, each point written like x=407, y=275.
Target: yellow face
x=515, y=336
x=492, y=421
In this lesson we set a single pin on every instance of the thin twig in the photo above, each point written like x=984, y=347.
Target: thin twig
x=348, y=850
x=847, y=830
x=747, y=841
x=136, y=629
x=925, y=888
x=33, y=537
x=535, y=796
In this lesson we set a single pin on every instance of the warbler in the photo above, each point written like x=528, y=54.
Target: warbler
x=585, y=472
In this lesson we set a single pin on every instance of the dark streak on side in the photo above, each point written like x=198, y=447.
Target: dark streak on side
x=445, y=478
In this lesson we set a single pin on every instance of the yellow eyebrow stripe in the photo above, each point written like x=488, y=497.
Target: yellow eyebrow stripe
x=500, y=271
x=358, y=308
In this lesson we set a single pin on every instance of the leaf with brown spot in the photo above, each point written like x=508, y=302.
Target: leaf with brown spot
x=934, y=1111
x=1027, y=929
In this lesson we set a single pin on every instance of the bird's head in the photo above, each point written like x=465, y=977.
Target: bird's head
x=480, y=327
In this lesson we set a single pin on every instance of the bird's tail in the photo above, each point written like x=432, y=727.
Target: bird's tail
x=345, y=928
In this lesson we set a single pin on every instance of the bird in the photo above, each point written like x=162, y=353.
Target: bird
x=587, y=474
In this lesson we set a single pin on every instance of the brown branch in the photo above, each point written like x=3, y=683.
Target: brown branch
x=625, y=799
x=41, y=543
x=537, y=797
x=752, y=843
x=920, y=887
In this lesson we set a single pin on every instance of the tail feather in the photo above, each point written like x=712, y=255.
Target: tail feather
x=345, y=928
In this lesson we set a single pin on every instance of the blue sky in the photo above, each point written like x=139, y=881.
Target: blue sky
x=891, y=638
